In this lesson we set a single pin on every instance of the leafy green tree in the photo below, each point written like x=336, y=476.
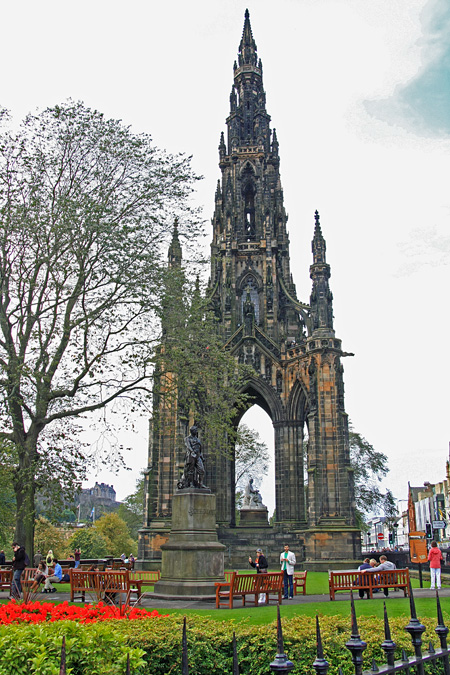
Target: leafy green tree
x=194, y=370
x=115, y=532
x=7, y=497
x=48, y=536
x=91, y=543
x=131, y=510
x=369, y=467
x=85, y=210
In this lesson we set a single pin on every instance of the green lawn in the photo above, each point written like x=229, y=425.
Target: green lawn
x=425, y=607
x=317, y=584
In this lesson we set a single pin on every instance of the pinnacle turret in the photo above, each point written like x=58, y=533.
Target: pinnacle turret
x=247, y=47
x=321, y=296
x=318, y=243
x=175, y=254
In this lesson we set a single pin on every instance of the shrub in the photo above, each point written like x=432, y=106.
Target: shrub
x=155, y=646
x=95, y=649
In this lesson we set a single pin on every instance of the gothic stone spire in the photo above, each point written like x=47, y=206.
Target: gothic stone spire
x=321, y=296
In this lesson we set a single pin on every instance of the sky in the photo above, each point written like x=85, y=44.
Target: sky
x=359, y=93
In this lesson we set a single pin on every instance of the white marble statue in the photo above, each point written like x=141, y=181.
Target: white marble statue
x=252, y=497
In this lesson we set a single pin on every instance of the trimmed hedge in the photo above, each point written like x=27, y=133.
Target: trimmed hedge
x=155, y=645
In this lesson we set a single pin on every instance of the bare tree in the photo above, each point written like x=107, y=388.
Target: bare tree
x=85, y=210
x=251, y=456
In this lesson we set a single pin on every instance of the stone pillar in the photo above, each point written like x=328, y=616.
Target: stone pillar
x=193, y=558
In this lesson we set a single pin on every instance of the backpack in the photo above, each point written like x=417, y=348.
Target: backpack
x=27, y=560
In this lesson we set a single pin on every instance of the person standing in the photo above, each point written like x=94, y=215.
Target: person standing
x=2, y=558
x=261, y=566
x=77, y=557
x=37, y=558
x=287, y=560
x=435, y=558
x=18, y=567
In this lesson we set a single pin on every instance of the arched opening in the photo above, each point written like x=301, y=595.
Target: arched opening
x=250, y=465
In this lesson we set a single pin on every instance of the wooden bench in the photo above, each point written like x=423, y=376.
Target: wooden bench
x=300, y=582
x=145, y=577
x=241, y=585
x=104, y=585
x=352, y=580
x=5, y=580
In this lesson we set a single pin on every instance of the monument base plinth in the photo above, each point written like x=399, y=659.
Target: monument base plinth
x=254, y=518
x=193, y=557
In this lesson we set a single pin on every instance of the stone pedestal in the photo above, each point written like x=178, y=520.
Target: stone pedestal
x=254, y=518
x=193, y=558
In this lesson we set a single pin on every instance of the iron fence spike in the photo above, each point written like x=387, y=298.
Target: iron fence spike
x=280, y=645
x=355, y=632
x=355, y=645
x=404, y=657
x=235, y=656
x=431, y=648
x=62, y=670
x=281, y=664
x=184, y=654
x=319, y=639
x=441, y=629
x=387, y=630
x=374, y=668
x=412, y=605
x=128, y=665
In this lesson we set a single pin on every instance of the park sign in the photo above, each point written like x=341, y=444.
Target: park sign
x=418, y=547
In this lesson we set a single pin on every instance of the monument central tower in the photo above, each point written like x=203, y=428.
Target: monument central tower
x=291, y=345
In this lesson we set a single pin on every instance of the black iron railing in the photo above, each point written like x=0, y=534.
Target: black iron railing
x=282, y=665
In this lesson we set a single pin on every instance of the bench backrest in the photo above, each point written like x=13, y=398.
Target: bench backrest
x=145, y=575
x=343, y=579
x=272, y=581
x=348, y=578
x=243, y=583
x=106, y=581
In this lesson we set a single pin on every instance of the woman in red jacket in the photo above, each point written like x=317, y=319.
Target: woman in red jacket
x=435, y=558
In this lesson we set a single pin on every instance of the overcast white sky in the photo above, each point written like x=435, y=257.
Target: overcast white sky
x=359, y=93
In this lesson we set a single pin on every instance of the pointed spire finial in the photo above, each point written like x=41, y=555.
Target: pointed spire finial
x=275, y=144
x=281, y=663
x=317, y=219
x=184, y=654
x=247, y=47
x=175, y=253
x=318, y=242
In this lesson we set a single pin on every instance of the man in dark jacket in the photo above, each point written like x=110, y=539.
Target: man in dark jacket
x=2, y=558
x=18, y=567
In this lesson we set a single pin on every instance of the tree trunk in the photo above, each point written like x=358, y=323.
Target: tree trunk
x=24, y=488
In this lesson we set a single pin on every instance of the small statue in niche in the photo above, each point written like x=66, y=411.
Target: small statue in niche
x=194, y=469
x=252, y=497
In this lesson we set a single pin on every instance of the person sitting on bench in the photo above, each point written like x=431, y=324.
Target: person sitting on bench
x=55, y=578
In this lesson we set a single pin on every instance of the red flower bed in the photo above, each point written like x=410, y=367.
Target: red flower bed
x=37, y=612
